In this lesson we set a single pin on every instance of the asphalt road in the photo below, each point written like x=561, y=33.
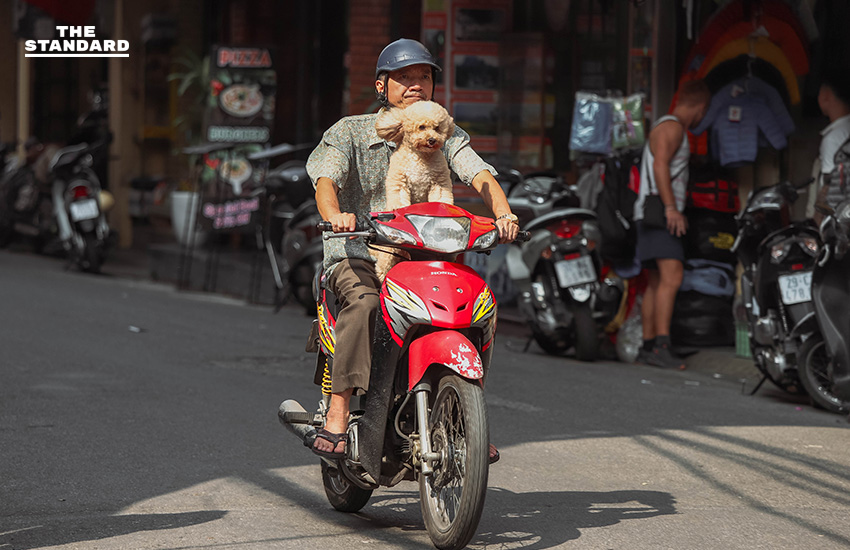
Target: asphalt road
x=135, y=416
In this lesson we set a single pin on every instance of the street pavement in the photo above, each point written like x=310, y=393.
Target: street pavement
x=136, y=416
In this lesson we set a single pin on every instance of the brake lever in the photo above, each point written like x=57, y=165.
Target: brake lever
x=366, y=234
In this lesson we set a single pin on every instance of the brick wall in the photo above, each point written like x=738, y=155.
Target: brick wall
x=369, y=33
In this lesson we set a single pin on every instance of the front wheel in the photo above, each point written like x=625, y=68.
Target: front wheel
x=342, y=494
x=452, y=498
x=587, y=335
x=92, y=254
x=815, y=371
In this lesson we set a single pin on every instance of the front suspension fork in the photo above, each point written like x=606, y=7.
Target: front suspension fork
x=427, y=457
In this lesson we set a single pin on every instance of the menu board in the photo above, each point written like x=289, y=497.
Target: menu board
x=243, y=84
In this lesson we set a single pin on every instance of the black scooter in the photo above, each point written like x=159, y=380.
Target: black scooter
x=778, y=258
x=289, y=236
x=557, y=273
x=26, y=205
x=824, y=358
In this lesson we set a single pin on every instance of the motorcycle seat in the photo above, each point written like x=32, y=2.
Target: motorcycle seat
x=558, y=215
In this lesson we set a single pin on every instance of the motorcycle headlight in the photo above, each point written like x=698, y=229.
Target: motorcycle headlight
x=810, y=246
x=447, y=235
x=486, y=240
x=779, y=251
x=394, y=235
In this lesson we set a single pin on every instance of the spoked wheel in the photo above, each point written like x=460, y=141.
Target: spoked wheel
x=815, y=371
x=452, y=498
x=342, y=494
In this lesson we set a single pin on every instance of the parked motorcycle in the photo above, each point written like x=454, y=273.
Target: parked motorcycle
x=291, y=239
x=562, y=294
x=424, y=417
x=778, y=258
x=26, y=206
x=824, y=358
x=80, y=206
x=303, y=253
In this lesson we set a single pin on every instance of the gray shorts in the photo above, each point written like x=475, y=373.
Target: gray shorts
x=654, y=243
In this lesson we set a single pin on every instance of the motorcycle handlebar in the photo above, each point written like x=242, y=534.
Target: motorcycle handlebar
x=521, y=237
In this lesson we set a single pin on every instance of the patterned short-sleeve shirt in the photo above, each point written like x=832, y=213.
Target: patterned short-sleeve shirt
x=356, y=159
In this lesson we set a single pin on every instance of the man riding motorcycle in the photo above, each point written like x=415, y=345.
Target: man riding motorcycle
x=348, y=169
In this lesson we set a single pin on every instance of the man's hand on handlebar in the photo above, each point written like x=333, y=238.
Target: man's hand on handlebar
x=343, y=222
x=508, y=230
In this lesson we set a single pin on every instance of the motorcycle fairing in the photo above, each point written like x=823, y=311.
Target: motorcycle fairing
x=830, y=288
x=446, y=297
x=327, y=323
x=446, y=347
x=478, y=224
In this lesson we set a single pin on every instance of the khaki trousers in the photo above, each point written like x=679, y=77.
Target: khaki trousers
x=356, y=286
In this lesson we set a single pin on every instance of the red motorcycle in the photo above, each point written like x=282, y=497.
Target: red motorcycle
x=424, y=417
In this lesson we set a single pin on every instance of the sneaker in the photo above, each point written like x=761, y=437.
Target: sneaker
x=643, y=356
x=661, y=356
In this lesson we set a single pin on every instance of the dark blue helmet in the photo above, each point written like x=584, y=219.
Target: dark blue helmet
x=404, y=53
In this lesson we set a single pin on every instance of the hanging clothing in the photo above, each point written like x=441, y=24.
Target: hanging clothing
x=777, y=30
x=736, y=123
x=762, y=49
x=744, y=65
x=748, y=86
x=735, y=12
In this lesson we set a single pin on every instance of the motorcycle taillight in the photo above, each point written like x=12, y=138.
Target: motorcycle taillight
x=565, y=229
x=80, y=192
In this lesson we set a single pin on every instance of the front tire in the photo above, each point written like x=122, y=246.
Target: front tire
x=452, y=498
x=92, y=254
x=815, y=372
x=587, y=335
x=342, y=494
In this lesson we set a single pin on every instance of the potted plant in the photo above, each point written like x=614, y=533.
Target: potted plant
x=191, y=76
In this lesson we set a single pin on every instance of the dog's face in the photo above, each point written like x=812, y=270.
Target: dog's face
x=424, y=126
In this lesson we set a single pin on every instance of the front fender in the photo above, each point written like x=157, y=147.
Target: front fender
x=446, y=347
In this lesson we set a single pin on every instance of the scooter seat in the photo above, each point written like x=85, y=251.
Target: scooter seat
x=558, y=215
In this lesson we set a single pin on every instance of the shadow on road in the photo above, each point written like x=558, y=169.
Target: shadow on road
x=80, y=529
x=532, y=520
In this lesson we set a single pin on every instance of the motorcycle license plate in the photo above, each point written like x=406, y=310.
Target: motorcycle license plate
x=796, y=288
x=575, y=272
x=84, y=210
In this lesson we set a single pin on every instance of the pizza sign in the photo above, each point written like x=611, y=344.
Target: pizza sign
x=241, y=100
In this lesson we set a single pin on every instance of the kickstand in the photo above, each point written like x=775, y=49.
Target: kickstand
x=528, y=344
x=763, y=378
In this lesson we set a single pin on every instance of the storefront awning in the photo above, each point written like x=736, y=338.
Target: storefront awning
x=78, y=12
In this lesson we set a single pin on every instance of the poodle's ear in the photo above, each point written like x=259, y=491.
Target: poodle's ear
x=390, y=125
x=450, y=122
